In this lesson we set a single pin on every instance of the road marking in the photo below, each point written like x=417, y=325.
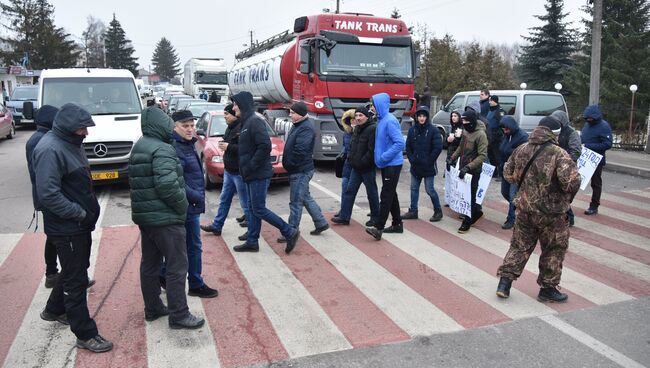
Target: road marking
x=591, y=342
x=605, y=210
x=7, y=244
x=337, y=197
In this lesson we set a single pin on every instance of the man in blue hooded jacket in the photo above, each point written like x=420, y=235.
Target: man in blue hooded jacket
x=389, y=145
x=597, y=136
x=513, y=138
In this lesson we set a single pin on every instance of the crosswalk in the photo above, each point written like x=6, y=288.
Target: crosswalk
x=337, y=291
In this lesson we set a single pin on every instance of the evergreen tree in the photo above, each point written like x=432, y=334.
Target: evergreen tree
x=443, y=60
x=94, y=43
x=119, y=52
x=544, y=61
x=165, y=60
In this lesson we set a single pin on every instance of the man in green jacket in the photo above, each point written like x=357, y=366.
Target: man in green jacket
x=159, y=208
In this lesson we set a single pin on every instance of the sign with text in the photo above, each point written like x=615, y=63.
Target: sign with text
x=484, y=182
x=458, y=192
x=587, y=164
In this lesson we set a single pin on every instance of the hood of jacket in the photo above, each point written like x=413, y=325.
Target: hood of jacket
x=69, y=119
x=592, y=111
x=541, y=135
x=474, y=105
x=562, y=117
x=45, y=116
x=245, y=103
x=510, y=123
x=156, y=124
x=422, y=110
x=381, y=101
x=346, y=120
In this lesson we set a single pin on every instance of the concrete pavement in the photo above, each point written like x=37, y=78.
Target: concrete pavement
x=635, y=163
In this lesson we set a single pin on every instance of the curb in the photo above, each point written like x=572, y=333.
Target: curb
x=627, y=169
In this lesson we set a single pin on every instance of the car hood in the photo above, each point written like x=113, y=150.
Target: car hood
x=108, y=129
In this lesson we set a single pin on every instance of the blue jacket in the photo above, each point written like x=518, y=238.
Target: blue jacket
x=485, y=107
x=389, y=142
x=254, y=141
x=298, y=156
x=596, y=136
x=423, y=146
x=192, y=173
x=44, y=119
x=516, y=138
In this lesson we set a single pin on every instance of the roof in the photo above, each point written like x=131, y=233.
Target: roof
x=83, y=72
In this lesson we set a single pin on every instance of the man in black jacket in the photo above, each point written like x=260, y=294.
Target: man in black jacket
x=362, y=160
x=256, y=171
x=70, y=211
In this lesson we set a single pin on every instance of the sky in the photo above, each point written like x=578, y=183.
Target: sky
x=212, y=28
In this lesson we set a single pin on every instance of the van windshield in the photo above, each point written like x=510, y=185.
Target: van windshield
x=25, y=93
x=100, y=96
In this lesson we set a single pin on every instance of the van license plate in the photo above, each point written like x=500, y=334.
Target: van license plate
x=107, y=175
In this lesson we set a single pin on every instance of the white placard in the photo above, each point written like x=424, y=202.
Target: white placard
x=587, y=164
x=458, y=192
x=484, y=182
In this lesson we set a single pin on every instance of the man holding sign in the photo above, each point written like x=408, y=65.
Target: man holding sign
x=597, y=136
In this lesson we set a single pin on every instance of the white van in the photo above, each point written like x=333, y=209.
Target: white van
x=112, y=98
x=527, y=107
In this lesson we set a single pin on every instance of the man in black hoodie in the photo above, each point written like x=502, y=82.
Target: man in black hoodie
x=256, y=171
x=70, y=212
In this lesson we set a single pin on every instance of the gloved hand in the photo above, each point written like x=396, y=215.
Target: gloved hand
x=448, y=164
x=463, y=171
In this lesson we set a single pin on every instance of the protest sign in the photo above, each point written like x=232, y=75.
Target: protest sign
x=484, y=182
x=587, y=164
x=458, y=192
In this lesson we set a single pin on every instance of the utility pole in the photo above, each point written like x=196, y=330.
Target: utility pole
x=338, y=8
x=251, y=34
x=596, y=36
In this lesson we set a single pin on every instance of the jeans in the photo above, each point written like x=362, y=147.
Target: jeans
x=508, y=191
x=69, y=294
x=388, y=201
x=231, y=183
x=50, y=258
x=596, y=186
x=258, y=211
x=300, y=197
x=354, y=183
x=430, y=189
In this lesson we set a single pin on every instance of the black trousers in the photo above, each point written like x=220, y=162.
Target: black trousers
x=69, y=294
x=596, y=186
x=388, y=201
x=476, y=208
x=50, y=258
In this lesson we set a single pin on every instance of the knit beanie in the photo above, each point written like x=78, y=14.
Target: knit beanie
x=299, y=108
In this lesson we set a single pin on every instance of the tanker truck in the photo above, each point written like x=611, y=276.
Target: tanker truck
x=205, y=74
x=332, y=62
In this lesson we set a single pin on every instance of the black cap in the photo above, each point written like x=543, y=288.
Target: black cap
x=364, y=110
x=552, y=123
x=299, y=108
x=494, y=98
x=229, y=109
x=182, y=115
x=469, y=115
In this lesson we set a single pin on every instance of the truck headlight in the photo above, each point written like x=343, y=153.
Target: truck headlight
x=328, y=139
x=217, y=159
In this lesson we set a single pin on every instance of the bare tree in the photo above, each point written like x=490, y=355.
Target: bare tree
x=93, y=38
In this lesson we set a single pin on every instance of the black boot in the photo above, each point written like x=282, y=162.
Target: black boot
x=552, y=295
x=503, y=290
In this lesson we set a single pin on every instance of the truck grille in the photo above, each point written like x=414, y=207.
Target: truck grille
x=107, y=149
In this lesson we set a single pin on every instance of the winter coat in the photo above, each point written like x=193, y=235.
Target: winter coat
x=493, y=117
x=62, y=176
x=511, y=141
x=362, y=147
x=389, y=142
x=254, y=141
x=192, y=174
x=423, y=146
x=472, y=149
x=596, y=136
x=298, y=156
x=231, y=156
x=44, y=119
x=569, y=139
x=552, y=179
x=453, y=145
x=155, y=174
x=485, y=107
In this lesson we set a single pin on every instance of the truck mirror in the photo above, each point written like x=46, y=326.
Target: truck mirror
x=28, y=110
x=305, y=51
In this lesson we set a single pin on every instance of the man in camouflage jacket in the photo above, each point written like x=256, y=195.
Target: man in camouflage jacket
x=544, y=196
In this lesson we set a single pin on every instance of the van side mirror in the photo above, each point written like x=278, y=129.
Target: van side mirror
x=305, y=51
x=28, y=110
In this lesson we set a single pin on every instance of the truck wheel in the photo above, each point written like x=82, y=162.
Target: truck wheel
x=12, y=131
x=206, y=178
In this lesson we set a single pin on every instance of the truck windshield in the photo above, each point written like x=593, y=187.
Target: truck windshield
x=25, y=93
x=100, y=96
x=211, y=78
x=367, y=60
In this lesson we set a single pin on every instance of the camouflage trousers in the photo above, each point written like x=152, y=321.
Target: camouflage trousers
x=553, y=235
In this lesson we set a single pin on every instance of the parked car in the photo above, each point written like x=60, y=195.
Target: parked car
x=146, y=91
x=20, y=95
x=210, y=130
x=198, y=108
x=7, y=125
x=182, y=104
x=173, y=102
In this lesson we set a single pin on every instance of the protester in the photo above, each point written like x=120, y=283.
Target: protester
x=347, y=121
x=484, y=101
x=423, y=146
x=389, y=144
x=214, y=97
x=455, y=132
x=548, y=180
x=494, y=134
x=256, y=171
x=597, y=136
x=569, y=139
x=70, y=212
x=159, y=207
x=513, y=138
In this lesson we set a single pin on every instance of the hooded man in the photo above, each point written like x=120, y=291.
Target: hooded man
x=389, y=145
x=494, y=134
x=256, y=171
x=159, y=207
x=597, y=136
x=513, y=138
x=569, y=139
x=70, y=212
x=423, y=146
x=548, y=180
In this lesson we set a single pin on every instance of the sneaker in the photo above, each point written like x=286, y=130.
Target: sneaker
x=190, y=322
x=203, y=292
x=95, y=344
x=163, y=282
x=320, y=229
x=437, y=216
x=51, y=317
x=50, y=280
x=394, y=229
x=246, y=248
x=503, y=290
x=507, y=225
x=340, y=221
x=291, y=242
x=281, y=239
x=337, y=214
x=410, y=215
x=370, y=223
x=241, y=218
x=210, y=229
x=152, y=316
x=464, y=227
x=478, y=217
x=552, y=295
x=591, y=211
x=376, y=233
x=243, y=236
x=243, y=223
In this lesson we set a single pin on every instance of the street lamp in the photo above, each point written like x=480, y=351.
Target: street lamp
x=523, y=85
x=633, y=89
x=558, y=87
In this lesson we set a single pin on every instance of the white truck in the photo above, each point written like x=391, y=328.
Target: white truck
x=205, y=74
